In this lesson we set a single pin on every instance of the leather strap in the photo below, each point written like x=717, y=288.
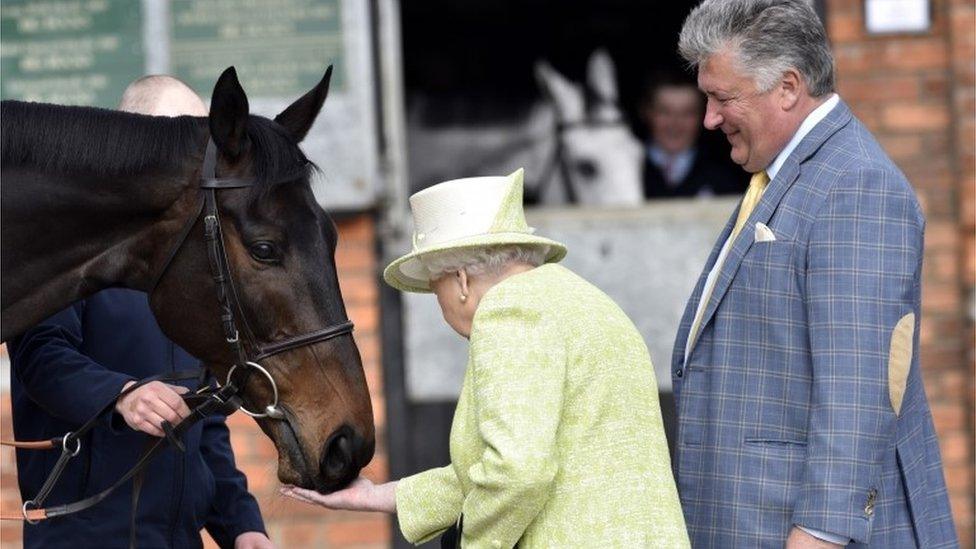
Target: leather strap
x=302, y=340
x=34, y=444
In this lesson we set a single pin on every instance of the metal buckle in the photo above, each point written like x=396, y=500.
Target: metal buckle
x=236, y=338
x=24, y=509
x=64, y=444
x=271, y=410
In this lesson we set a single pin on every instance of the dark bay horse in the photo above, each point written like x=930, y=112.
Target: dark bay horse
x=93, y=198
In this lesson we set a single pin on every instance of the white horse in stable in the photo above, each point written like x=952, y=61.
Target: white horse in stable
x=575, y=145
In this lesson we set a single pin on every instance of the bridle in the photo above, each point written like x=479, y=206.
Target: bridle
x=559, y=160
x=225, y=399
x=226, y=291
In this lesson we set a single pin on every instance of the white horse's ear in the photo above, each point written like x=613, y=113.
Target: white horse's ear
x=566, y=96
x=601, y=79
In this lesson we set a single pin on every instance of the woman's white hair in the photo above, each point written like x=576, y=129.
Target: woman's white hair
x=482, y=260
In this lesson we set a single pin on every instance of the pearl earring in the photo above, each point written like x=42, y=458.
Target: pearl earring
x=464, y=298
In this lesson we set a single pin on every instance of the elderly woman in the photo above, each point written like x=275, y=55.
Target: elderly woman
x=557, y=439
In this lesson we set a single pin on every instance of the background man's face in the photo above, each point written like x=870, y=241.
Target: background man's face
x=674, y=118
x=751, y=121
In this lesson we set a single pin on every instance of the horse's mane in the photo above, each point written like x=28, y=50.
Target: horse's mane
x=100, y=142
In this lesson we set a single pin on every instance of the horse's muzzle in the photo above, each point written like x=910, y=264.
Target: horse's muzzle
x=345, y=453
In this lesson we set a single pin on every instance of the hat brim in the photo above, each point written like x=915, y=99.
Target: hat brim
x=408, y=274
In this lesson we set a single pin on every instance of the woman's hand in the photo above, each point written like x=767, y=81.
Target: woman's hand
x=361, y=495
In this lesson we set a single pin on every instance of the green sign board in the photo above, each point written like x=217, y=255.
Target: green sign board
x=77, y=52
x=279, y=47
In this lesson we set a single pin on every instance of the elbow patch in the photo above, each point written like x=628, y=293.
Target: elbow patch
x=900, y=359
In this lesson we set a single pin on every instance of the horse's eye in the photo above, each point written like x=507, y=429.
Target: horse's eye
x=264, y=251
x=586, y=168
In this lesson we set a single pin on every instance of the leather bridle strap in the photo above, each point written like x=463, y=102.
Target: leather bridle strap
x=559, y=160
x=70, y=445
x=303, y=340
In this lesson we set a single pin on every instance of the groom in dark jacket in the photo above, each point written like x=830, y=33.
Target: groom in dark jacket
x=69, y=366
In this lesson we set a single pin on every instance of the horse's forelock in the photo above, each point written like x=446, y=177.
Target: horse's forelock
x=276, y=158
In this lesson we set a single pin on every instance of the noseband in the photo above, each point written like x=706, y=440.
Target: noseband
x=227, y=296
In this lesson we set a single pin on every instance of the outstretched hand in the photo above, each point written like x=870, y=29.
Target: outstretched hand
x=361, y=495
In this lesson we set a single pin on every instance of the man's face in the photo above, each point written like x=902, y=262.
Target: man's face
x=674, y=117
x=753, y=122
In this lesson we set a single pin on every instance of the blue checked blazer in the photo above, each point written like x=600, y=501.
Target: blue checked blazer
x=784, y=410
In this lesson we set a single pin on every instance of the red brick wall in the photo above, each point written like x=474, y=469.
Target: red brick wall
x=290, y=524
x=915, y=92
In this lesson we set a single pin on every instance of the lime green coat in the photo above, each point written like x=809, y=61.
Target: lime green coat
x=557, y=439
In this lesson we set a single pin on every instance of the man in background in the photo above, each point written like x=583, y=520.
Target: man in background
x=70, y=365
x=676, y=162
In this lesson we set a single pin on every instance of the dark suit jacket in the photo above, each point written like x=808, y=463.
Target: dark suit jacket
x=63, y=371
x=707, y=173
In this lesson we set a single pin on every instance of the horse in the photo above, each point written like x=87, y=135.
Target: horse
x=93, y=198
x=575, y=143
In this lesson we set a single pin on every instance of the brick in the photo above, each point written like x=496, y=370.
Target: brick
x=853, y=59
x=910, y=116
x=359, y=288
x=357, y=228
x=378, y=469
x=365, y=318
x=935, y=87
x=359, y=259
x=901, y=148
x=303, y=534
x=373, y=529
x=872, y=88
x=969, y=258
x=845, y=27
x=915, y=53
x=940, y=236
x=955, y=447
x=949, y=416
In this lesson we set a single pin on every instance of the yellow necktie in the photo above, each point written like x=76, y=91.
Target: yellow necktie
x=757, y=186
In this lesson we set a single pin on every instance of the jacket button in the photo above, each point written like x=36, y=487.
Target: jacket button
x=679, y=373
x=869, y=506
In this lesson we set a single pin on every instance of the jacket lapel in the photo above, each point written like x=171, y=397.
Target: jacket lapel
x=788, y=174
x=684, y=326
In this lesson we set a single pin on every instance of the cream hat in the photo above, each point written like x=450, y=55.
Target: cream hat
x=465, y=213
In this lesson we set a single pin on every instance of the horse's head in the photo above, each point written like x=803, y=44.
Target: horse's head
x=280, y=248
x=597, y=152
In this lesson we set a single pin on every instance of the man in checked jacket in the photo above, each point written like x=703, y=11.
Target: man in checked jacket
x=802, y=421
x=69, y=366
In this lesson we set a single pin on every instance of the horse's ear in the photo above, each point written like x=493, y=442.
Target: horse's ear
x=566, y=96
x=228, y=114
x=601, y=81
x=300, y=115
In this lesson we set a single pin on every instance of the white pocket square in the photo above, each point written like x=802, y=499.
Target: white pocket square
x=764, y=233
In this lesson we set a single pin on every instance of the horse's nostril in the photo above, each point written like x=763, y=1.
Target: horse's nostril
x=340, y=458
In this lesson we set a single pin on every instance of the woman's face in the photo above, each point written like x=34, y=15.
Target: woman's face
x=457, y=313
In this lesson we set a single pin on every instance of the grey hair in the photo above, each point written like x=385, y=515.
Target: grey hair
x=482, y=260
x=767, y=37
